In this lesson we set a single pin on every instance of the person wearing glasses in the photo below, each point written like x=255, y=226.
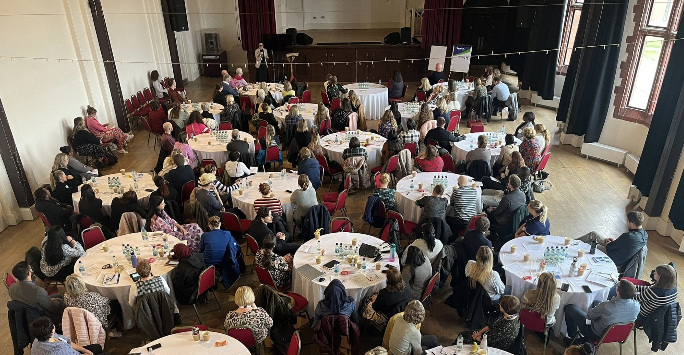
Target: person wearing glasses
x=261, y=55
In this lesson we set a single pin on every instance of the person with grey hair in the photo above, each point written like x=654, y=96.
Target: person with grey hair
x=502, y=215
x=406, y=338
x=238, y=81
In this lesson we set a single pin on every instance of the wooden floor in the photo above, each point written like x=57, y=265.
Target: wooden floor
x=587, y=195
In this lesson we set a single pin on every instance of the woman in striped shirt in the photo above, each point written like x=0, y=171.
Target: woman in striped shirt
x=267, y=200
x=661, y=293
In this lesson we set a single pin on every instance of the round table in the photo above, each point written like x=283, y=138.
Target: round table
x=183, y=343
x=308, y=112
x=145, y=188
x=460, y=149
x=374, y=99
x=216, y=150
x=214, y=108
x=409, y=110
x=405, y=198
x=274, y=88
x=462, y=93
x=245, y=202
x=96, y=257
x=516, y=269
x=313, y=290
x=336, y=150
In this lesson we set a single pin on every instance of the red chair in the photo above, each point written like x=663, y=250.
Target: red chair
x=234, y=224
x=141, y=99
x=207, y=279
x=132, y=112
x=392, y=165
x=306, y=97
x=616, y=333
x=405, y=227
x=335, y=104
x=334, y=196
x=324, y=98
x=376, y=178
x=45, y=220
x=294, y=100
x=252, y=246
x=139, y=108
x=9, y=280
x=225, y=126
x=412, y=147
x=339, y=205
x=470, y=78
x=206, y=162
x=149, y=130
x=433, y=142
x=92, y=236
x=187, y=190
x=295, y=344
x=420, y=95
x=83, y=223
x=185, y=329
x=262, y=132
x=341, y=224
x=243, y=335
x=476, y=127
x=325, y=125
x=273, y=156
x=471, y=224
x=148, y=94
x=449, y=165
x=384, y=232
x=326, y=168
x=535, y=322
x=542, y=164
x=246, y=103
x=428, y=291
x=266, y=278
x=403, y=93
x=454, y=118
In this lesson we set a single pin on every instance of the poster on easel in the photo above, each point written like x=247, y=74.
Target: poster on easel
x=437, y=55
x=460, y=59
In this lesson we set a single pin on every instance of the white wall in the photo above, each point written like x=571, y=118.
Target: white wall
x=335, y=14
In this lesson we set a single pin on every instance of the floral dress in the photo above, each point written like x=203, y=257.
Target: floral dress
x=386, y=195
x=166, y=224
x=529, y=149
x=106, y=134
x=92, y=302
x=279, y=269
x=257, y=320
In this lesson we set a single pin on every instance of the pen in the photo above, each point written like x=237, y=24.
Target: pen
x=118, y=277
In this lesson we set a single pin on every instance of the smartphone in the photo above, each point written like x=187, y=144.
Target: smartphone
x=288, y=191
x=586, y=288
x=565, y=287
x=154, y=347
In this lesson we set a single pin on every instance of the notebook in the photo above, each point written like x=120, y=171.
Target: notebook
x=310, y=272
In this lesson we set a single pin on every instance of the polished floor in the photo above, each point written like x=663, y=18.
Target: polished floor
x=587, y=195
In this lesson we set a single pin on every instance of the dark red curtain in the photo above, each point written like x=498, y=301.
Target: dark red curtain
x=257, y=18
x=442, y=22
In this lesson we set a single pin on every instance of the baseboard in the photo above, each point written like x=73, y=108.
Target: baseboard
x=572, y=139
x=28, y=214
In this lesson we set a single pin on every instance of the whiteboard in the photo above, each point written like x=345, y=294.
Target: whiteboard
x=460, y=60
x=437, y=55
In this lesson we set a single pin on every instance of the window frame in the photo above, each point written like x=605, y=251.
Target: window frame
x=575, y=6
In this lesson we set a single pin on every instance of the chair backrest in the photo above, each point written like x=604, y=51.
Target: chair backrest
x=324, y=162
x=206, y=280
x=295, y=344
x=293, y=100
x=335, y=104
x=272, y=154
x=185, y=329
x=449, y=165
x=341, y=224
x=135, y=101
x=432, y=142
x=141, y=98
x=376, y=178
x=400, y=219
x=264, y=276
x=476, y=128
x=616, y=333
x=261, y=133
x=231, y=222
x=243, y=335
x=148, y=94
x=544, y=161
x=325, y=125
x=471, y=224
x=533, y=320
x=403, y=91
x=429, y=287
x=252, y=243
x=187, y=190
x=420, y=95
x=471, y=78
x=341, y=200
x=324, y=98
x=412, y=147
x=519, y=214
x=392, y=164
x=146, y=124
x=385, y=231
x=225, y=126
x=306, y=96
x=347, y=182
x=44, y=219
x=454, y=117
x=129, y=106
x=92, y=236
x=9, y=279
x=245, y=102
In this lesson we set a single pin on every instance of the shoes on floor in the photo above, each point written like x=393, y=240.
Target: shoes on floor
x=123, y=151
x=113, y=334
x=129, y=137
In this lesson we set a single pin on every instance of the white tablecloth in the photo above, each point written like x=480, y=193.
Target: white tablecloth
x=313, y=290
x=461, y=94
x=308, y=112
x=145, y=188
x=186, y=109
x=409, y=110
x=245, y=202
x=95, y=258
x=273, y=88
x=217, y=150
x=183, y=343
x=460, y=149
x=466, y=350
x=516, y=269
x=374, y=99
x=336, y=150
x=405, y=198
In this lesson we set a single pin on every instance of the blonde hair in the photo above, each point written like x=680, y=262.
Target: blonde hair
x=261, y=94
x=54, y=177
x=425, y=84
x=414, y=312
x=351, y=95
x=539, y=208
x=270, y=135
x=305, y=153
x=263, y=86
x=482, y=141
x=287, y=86
x=74, y=285
x=528, y=132
x=321, y=114
x=424, y=115
x=304, y=181
x=541, y=129
x=442, y=104
x=303, y=125
x=230, y=99
x=59, y=161
x=294, y=110
x=214, y=222
x=541, y=299
x=389, y=117
x=478, y=82
x=482, y=270
x=384, y=178
x=244, y=296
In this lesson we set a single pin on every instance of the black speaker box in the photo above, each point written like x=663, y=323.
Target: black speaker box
x=406, y=35
x=292, y=32
x=179, y=19
x=393, y=38
x=303, y=39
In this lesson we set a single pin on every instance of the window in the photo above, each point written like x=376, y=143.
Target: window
x=572, y=19
x=644, y=68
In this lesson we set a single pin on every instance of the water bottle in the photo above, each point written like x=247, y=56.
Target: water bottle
x=336, y=268
x=134, y=260
x=81, y=268
x=137, y=251
x=573, y=267
x=364, y=266
x=155, y=252
x=412, y=186
x=166, y=244
x=393, y=252
x=270, y=182
x=459, y=343
x=356, y=250
x=503, y=131
x=318, y=246
x=593, y=248
x=483, y=345
x=123, y=249
x=115, y=262
x=337, y=140
x=143, y=232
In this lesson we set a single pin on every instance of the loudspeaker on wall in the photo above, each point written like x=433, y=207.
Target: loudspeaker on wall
x=177, y=15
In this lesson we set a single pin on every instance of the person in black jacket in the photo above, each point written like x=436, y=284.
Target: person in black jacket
x=475, y=238
x=441, y=135
x=397, y=88
x=181, y=174
x=502, y=214
x=266, y=223
x=394, y=297
x=91, y=206
x=267, y=116
x=62, y=189
x=437, y=75
x=238, y=145
x=128, y=202
x=86, y=143
x=57, y=214
x=185, y=276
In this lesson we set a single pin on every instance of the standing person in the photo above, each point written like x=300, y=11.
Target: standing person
x=437, y=75
x=159, y=90
x=261, y=55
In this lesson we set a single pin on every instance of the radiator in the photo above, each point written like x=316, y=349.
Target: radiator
x=631, y=162
x=604, y=152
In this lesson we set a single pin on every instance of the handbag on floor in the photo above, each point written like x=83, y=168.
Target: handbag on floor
x=540, y=186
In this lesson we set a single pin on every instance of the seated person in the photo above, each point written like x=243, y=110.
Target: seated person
x=506, y=151
x=185, y=275
x=406, y=338
x=159, y=221
x=303, y=198
x=628, y=244
x=238, y=145
x=207, y=195
x=194, y=125
x=396, y=89
x=91, y=206
x=543, y=299
x=416, y=271
x=503, y=213
x=128, y=202
x=62, y=189
x=430, y=161
x=394, y=297
x=537, y=222
x=148, y=284
x=355, y=149
x=174, y=95
x=529, y=149
x=163, y=190
x=27, y=292
x=500, y=94
x=267, y=116
x=528, y=121
x=463, y=204
x=481, y=271
x=425, y=87
x=437, y=75
x=59, y=254
x=334, y=89
x=77, y=295
x=661, y=293
x=279, y=267
x=238, y=81
x=499, y=180
x=503, y=330
x=248, y=315
x=335, y=302
x=182, y=173
x=410, y=135
x=303, y=133
x=267, y=200
x=442, y=110
x=584, y=349
x=475, y=238
x=622, y=308
x=309, y=166
x=340, y=117
x=214, y=243
x=56, y=213
x=441, y=135
x=391, y=147
x=385, y=194
x=434, y=206
x=427, y=242
x=387, y=124
x=266, y=223
x=480, y=153
x=287, y=91
x=47, y=341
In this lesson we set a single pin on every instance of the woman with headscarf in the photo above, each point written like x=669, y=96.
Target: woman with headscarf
x=335, y=303
x=186, y=274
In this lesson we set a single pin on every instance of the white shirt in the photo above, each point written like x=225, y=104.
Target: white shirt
x=493, y=286
x=236, y=169
x=500, y=91
x=422, y=245
x=159, y=89
x=541, y=141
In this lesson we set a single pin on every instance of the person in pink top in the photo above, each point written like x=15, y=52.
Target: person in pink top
x=105, y=133
x=185, y=148
x=194, y=125
x=238, y=81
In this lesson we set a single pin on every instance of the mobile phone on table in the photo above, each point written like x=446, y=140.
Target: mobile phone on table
x=586, y=288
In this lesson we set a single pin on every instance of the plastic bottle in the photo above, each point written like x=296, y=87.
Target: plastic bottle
x=81, y=268
x=166, y=244
x=412, y=186
x=123, y=249
x=459, y=342
x=137, y=251
x=115, y=262
x=155, y=252
x=364, y=265
x=393, y=252
x=143, y=231
x=483, y=345
x=573, y=267
x=134, y=260
x=318, y=245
